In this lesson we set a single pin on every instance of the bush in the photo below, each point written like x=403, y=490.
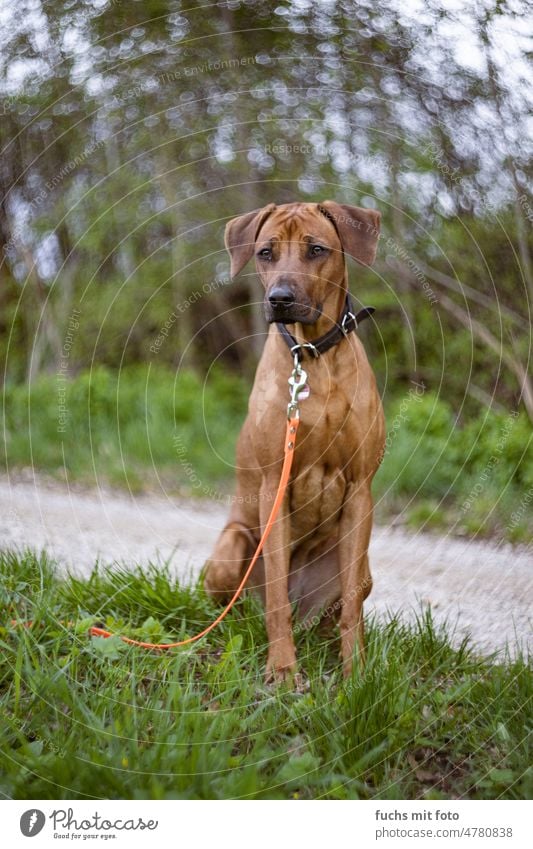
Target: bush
x=119, y=427
x=480, y=473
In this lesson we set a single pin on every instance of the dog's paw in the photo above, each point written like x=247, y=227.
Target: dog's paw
x=287, y=679
x=280, y=670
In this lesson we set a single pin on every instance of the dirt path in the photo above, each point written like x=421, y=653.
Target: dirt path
x=480, y=588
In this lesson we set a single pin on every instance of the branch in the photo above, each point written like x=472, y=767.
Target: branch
x=478, y=297
x=481, y=332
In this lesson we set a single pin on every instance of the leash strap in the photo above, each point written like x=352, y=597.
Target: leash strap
x=290, y=443
x=347, y=323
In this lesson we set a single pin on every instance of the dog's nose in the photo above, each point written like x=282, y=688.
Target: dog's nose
x=281, y=296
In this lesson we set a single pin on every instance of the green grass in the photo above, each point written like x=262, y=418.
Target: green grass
x=85, y=717
x=136, y=428
x=143, y=428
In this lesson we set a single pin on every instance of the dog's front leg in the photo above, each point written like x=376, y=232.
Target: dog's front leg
x=356, y=582
x=281, y=662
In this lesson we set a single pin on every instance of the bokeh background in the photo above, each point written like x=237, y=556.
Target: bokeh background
x=131, y=132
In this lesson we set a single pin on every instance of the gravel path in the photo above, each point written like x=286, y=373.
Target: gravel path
x=480, y=588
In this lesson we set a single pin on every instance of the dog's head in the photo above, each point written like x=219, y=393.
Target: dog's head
x=300, y=253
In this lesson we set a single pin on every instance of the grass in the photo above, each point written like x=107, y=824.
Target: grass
x=84, y=717
x=143, y=428
x=136, y=428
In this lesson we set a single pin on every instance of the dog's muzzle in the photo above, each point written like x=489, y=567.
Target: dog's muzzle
x=282, y=306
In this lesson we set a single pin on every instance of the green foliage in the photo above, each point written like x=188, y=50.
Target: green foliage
x=127, y=428
x=416, y=461
x=83, y=716
x=472, y=476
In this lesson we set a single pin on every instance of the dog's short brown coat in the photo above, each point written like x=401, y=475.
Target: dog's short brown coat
x=317, y=553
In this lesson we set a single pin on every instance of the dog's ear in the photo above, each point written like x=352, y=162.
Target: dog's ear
x=241, y=234
x=358, y=229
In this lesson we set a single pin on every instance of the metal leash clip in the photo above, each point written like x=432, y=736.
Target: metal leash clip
x=297, y=383
x=297, y=349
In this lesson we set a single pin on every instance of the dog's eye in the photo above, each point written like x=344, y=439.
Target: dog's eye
x=265, y=253
x=317, y=250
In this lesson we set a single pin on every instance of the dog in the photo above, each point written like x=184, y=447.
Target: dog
x=316, y=557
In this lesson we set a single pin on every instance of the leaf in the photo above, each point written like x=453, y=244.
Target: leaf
x=233, y=647
x=302, y=707
x=35, y=747
x=503, y=733
x=425, y=741
x=298, y=768
x=108, y=647
x=150, y=624
x=501, y=776
x=83, y=625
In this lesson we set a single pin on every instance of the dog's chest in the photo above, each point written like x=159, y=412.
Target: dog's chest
x=316, y=496
x=330, y=425
x=326, y=452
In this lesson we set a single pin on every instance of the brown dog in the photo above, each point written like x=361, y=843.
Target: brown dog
x=317, y=554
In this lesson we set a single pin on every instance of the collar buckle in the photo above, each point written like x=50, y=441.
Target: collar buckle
x=347, y=316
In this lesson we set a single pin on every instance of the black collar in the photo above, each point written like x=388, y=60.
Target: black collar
x=347, y=323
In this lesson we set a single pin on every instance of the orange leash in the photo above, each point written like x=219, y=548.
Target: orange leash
x=298, y=386
x=290, y=442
